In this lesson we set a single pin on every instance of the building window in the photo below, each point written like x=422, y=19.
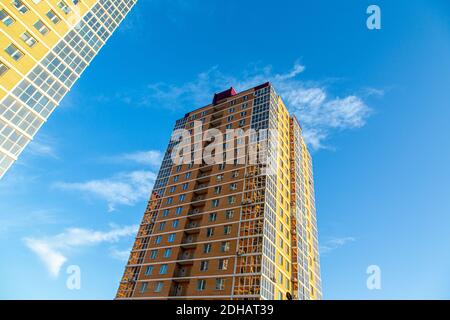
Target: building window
x=163, y=269
x=175, y=223
x=209, y=232
x=220, y=284
x=158, y=240
x=175, y=178
x=207, y=248
x=225, y=246
x=20, y=6
x=215, y=203
x=212, y=217
x=187, y=175
x=172, y=238
x=158, y=286
x=231, y=199
x=165, y=212
x=235, y=174
x=41, y=27
x=201, y=285
x=169, y=200
x=226, y=229
x=179, y=168
x=28, y=39
x=223, y=264
x=149, y=270
x=218, y=189
x=14, y=53
x=153, y=254
x=204, y=265
x=229, y=214
x=185, y=186
x=53, y=17
x=64, y=7
x=178, y=210
x=172, y=189
x=144, y=287
x=6, y=18
x=233, y=186
x=241, y=122
x=3, y=68
x=167, y=253
x=181, y=198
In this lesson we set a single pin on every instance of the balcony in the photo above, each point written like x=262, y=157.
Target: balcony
x=177, y=291
x=189, y=241
x=216, y=115
x=192, y=227
x=194, y=211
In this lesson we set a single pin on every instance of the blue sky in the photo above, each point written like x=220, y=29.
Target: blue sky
x=374, y=105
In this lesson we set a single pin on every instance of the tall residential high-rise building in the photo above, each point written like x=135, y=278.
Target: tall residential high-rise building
x=239, y=229
x=45, y=45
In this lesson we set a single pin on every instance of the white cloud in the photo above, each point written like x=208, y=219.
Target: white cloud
x=335, y=243
x=13, y=221
x=319, y=113
x=43, y=146
x=123, y=189
x=53, y=251
x=121, y=255
x=151, y=158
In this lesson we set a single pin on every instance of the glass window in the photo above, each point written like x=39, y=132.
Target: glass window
x=41, y=27
x=225, y=246
x=175, y=223
x=6, y=18
x=20, y=6
x=212, y=217
x=14, y=53
x=64, y=7
x=158, y=286
x=144, y=287
x=28, y=39
x=163, y=269
x=223, y=264
x=201, y=285
x=220, y=284
x=167, y=253
x=3, y=68
x=53, y=17
x=209, y=232
x=207, y=248
x=153, y=254
x=158, y=240
x=172, y=237
x=149, y=270
x=204, y=265
x=226, y=229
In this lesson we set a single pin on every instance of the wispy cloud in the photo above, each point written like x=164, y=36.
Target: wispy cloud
x=54, y=250
x=43, y=146
x=335, y=243
x=121, y=255
x=152, y=158
x=126, y=188
x=13, y=221
x=320, y=113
